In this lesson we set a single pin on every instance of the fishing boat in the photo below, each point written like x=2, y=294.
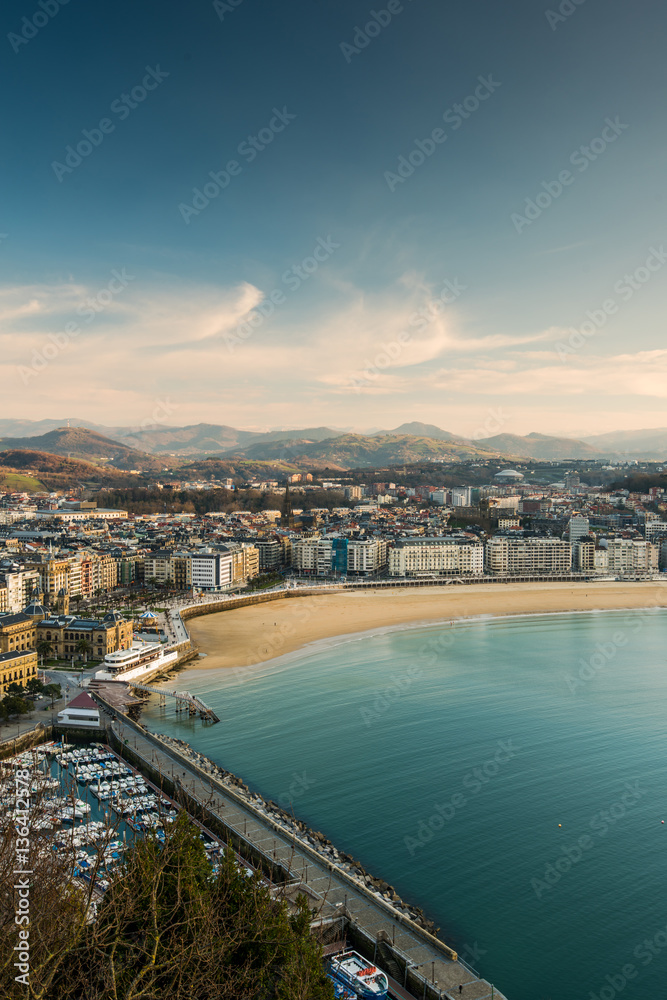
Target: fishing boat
x=364, y=978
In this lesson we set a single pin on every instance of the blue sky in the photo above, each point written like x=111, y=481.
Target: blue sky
x=288, y=292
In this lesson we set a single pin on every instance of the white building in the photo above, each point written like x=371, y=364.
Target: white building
x=211, y=570
x=461, y=496
x=20, y=586
x=578, y=528
x=82, y=711
x=367, y=556
x=528, y=556
x=627, y=555
x=448, y=556
x=655, y=529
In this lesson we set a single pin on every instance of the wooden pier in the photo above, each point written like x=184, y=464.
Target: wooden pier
x=194, y=705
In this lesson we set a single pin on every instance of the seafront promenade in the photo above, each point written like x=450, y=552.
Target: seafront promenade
x=333, y=892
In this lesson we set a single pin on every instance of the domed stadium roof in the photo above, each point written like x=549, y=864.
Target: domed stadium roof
x=508, y=474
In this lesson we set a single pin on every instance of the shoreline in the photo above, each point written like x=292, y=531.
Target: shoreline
x=243, y=637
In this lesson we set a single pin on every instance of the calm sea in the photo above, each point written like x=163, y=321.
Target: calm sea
x=507, y=775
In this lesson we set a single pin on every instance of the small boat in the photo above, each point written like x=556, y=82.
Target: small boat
x=364, y=978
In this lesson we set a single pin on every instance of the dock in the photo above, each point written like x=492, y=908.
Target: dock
x=419, y=964
x=194, y=705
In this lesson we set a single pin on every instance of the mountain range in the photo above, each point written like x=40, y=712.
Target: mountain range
x=151, y=450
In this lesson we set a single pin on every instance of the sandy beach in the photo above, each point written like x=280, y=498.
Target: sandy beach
x=261, y=632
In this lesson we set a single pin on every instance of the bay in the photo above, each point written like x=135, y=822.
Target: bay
x=507, y=775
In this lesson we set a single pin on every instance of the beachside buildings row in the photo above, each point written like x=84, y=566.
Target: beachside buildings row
x=453, y=555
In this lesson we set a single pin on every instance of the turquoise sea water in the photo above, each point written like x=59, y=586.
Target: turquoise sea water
x=445, y=758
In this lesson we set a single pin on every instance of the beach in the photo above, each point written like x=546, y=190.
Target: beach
x=260, y=632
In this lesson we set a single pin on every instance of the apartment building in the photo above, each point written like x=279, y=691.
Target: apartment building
x=366, y=556
x=211, y=570
x=245, y=563
x=19, y=586
x=320, y=556
x=528, y=556
x=632, y=556
x=270, y=554
x=447, y=556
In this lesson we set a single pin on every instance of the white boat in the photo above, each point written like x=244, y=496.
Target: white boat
x=363, y=978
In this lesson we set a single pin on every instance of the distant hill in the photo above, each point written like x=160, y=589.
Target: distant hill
x=240, y=470
x=53, y=472
x=82, y=443
x=539, y=446
x=650, y=445
x=195, y=439
x=350, y=451
x=418, y=429
x=211, y=439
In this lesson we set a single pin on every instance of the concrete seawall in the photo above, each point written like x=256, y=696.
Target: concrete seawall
x=370, y=919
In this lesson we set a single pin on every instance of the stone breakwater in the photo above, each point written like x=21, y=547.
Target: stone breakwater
x=297, y=828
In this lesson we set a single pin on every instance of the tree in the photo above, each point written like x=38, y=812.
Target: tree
x=43, y=647
x=76, y=600
x=168, y=928
x=53, y=691
x=85, y=647
x=16, y=705
x=35, y=686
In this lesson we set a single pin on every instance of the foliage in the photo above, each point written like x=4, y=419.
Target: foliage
x=54, y=691
x=168, y=928
x=264, y=580
x=150, y=501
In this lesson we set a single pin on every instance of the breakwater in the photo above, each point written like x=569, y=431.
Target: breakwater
x=313, y=838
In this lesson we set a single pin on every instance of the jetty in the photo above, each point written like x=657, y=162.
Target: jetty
x=357, y=910
x=193, y=704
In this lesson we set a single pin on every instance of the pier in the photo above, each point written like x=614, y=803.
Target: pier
x=419, y=964
x=194, y=705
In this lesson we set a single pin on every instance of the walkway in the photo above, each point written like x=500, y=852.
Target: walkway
x=329, y=887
